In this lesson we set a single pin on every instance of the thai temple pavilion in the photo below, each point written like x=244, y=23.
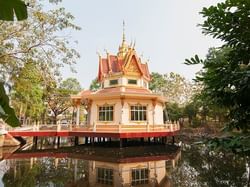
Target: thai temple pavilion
x=124, y=107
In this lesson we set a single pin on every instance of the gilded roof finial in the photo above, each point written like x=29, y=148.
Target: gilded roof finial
x=98, y=53
x=123, y=48
x=123, y=34
x=134, y=45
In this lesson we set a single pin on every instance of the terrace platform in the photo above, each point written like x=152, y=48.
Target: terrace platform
x=107, y=131
x=100, y=132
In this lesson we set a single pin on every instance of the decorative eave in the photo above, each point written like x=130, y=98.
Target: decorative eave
x=116, y=93
x=100, y=72
x=109, y=66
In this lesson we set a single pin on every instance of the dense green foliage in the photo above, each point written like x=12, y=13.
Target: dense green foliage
x=7, y=10
x=28, y=101
x=6, y=112
x=174, y=111
x=11, y=7
x=71, y=84
x=226, y=70
x=173, y=86
x=95, y=85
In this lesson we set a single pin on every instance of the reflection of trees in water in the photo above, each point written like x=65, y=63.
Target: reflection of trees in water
x=46, y=172
x=197, y=167
x=200, y=167
x=21, y=175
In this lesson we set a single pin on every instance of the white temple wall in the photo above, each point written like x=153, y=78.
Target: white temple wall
x=126, y=112
x=123, y=81
x=95, y=115
x=159, y=114
x=122, y=114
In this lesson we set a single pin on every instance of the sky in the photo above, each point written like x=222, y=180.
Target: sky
x=165, y=32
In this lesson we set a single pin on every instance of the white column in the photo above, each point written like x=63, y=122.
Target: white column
x=122, y=112
x=94, y=127
x=78, y=115
x=171, y=127
x=148, y=127
x=154, y=104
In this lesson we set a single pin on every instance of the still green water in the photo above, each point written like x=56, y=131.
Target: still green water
x=155, y=165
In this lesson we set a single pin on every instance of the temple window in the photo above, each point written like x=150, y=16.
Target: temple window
x=139, y=176
x=113, y=82
x=132, y=81
x=104, y=176
x=106, y=113
x=138, y=113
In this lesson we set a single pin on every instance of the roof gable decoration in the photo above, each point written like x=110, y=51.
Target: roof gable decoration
x=125, y=62
x=133, y=66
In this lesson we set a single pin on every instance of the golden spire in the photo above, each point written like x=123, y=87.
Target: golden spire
x=123, y=48
x=123, y=34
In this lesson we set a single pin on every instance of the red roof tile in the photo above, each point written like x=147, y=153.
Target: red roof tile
x=115, y=65
x=144, y=68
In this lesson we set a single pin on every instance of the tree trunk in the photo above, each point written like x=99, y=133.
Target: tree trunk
x=190, y=119
x=73, y=116
x=43, y=117
x=20, y=112
x=55, y=119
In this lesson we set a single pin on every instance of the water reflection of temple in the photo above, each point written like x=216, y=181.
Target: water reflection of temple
x=91, y=168
x=146, y=173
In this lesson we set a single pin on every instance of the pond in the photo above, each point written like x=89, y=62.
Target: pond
x=154, y=165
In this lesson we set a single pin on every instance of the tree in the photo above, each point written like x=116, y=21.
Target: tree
x=226, y=74
x=226, y=70
x=207, y=108
x=71, y=84
x=28, y=92
x=157, y=83
x=95, y=85
x=35, y=39
x=173, y=86
x=226, y=84
x=58, y=97
x=190, y=110
x=174, y=111
x=7, y=9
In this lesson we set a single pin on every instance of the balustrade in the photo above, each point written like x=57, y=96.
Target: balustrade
x=167, y=127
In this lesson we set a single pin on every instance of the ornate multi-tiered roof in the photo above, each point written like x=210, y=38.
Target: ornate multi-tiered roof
x=123, y=73
x=126, y=62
